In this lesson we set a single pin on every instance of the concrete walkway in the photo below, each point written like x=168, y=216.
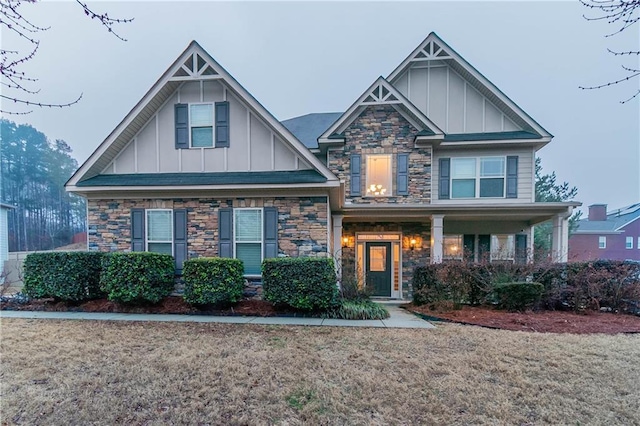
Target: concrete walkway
x=399, y=318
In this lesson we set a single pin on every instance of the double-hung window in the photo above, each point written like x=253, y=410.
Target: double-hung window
x=602, y=242
x=159, y=236
x=452, y=247
x=248, y=238
x=482, y=177
x=503, y=247
x=629, y=243
x=379, y=175
x=201, y=125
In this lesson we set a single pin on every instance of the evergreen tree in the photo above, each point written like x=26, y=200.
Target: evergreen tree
x=34, y=171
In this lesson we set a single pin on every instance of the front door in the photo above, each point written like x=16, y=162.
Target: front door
x=378, y=268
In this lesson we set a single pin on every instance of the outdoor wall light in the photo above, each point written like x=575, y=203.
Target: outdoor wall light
x=412, y=243
x=345, y=242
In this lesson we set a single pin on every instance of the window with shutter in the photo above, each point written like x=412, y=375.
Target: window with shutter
x=248, y=238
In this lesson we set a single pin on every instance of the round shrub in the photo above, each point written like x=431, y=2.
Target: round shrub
x=137, y=277
x=302, y=283
x=518, y=296
x=70, y=276
x=212, y=280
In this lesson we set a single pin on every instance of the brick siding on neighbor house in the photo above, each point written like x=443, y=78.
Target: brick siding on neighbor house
x=383, y=130
x=302, y=223
x=420, y=255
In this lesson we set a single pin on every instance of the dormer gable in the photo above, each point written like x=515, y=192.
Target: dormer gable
x=381, y=92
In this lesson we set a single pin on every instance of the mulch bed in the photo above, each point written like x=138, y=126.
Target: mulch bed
x=539, y=321
x=169, y=305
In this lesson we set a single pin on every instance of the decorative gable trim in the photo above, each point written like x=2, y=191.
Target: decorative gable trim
x=197, y=65
x=433, y=48
x=381, y=92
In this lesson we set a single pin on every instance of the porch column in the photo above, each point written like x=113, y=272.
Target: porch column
x=436, y=238
x=560, y=238
x=337, y=244
x=530, y=244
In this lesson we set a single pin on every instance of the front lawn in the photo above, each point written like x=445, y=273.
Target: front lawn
x=85, y=372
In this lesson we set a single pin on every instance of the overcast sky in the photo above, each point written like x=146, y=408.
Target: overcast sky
x=302, y=57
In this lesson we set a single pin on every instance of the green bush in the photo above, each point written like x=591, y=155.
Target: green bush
x=137, y=277
x=71, y=276
x=302, y=283
x=209, y=280
x=518, y=296
x=359, y=310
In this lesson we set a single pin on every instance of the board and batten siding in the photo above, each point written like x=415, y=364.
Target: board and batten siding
x=526, y=177
x=253, y=145
x=451, y=102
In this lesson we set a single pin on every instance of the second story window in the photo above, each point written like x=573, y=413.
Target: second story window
x=629, y=243
x=478, y=177
x=379, y=175
x=602, y=242
x=201, y=125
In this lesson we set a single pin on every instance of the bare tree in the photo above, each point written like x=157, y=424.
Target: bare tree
x=19, y=85
x=623, y=14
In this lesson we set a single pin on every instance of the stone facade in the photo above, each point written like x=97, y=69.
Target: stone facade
x=383, y=130
x=420, y=255
x=302, y=223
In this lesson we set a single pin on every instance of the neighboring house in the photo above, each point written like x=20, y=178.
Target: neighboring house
x=4, y=235
x=429, y=163
x=607, y=235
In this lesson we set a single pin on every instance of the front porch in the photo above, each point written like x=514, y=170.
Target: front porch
x=380, y=247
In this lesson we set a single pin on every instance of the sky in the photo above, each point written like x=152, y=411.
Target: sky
x=302, y=57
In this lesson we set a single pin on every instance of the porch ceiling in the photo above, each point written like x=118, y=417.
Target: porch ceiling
x=531, y=213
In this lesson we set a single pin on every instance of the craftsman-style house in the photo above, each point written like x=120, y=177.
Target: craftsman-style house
x=431, y=163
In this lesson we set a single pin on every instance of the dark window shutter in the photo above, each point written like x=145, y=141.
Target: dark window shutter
x=222, y=124
x=225, y=232
x=270, y=232
x=512, y=177
x=402, y=181
x=521, y=248
x=469, y=244
x=356, y=175
x=182, y=126
x=445, y=176
x=179, y=238
x=137, y=230
x=484, y=248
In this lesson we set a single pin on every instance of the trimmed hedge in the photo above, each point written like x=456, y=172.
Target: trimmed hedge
x=577, y=285
x=518, y=296
x=302, y=283
x=70, y=276
x=137, y=277
x=209, y=280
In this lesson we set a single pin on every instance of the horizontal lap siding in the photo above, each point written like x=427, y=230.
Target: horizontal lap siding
x=525, y=173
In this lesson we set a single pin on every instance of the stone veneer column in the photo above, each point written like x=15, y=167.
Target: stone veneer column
x=436, y=238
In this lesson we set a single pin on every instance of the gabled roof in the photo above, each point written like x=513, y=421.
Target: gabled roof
x=193, y=64
x=434, y=48
x=307, y=128
x=615, y=222
x=381, y=92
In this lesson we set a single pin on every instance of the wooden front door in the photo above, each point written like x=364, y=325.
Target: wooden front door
x=378, y=268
